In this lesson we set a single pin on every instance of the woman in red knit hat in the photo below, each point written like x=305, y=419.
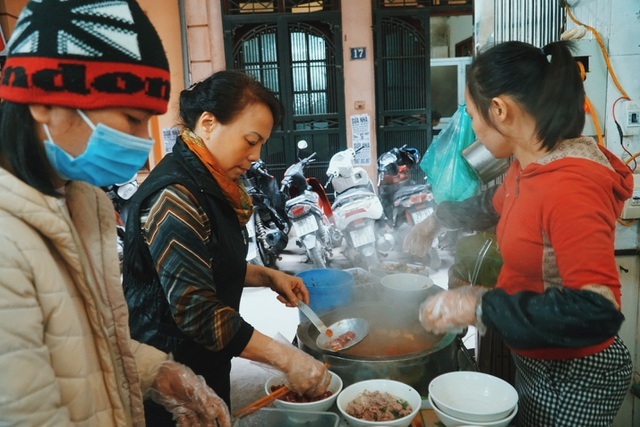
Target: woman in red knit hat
x=81, y=81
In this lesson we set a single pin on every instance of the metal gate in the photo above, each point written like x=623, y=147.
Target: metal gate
x=402, y=74
x=538, y=22
x=298, y=56
x=402, y=70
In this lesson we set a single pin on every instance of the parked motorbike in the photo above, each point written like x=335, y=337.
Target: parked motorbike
x=120, y=194
x=253, y=257
x=356, y=209
x=268, y=229
x=309, y=210
x=405, y=203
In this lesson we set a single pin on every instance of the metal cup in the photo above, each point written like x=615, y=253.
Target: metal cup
x=483, y=163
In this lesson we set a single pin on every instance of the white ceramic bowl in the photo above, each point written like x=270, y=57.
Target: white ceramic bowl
x=395, y=388
x=473, y=396
x=450, y=421
x=406, y=288
x=335, y=387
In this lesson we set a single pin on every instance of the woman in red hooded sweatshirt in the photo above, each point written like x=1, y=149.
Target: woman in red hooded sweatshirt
x=556, y=302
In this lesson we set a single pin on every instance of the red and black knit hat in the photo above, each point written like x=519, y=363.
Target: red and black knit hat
x=86, y=54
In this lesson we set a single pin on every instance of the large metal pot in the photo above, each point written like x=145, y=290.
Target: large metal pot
x=397, y=346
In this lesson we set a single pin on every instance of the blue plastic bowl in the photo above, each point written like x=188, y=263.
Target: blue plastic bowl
x=328, y=288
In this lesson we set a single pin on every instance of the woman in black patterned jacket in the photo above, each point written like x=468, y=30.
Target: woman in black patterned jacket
x=185, y=267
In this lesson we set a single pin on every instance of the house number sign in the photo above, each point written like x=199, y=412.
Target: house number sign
x=358, y=52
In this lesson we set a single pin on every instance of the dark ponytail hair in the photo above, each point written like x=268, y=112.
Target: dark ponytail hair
x=226, y=94
x=546, y=82
x=21, y=152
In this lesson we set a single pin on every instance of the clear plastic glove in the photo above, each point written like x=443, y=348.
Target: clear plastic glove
x=451, y=310
x=420, y=238
x=187, y=396
x=305, y=374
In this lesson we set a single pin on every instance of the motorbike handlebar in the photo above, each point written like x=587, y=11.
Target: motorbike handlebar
x=264, y=172
x=259, y=167
x=311, y=157
x=326, y=185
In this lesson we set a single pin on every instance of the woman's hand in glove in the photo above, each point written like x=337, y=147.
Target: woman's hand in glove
x=305, y=374
x=451, y=310
x=187, y=396
x=420, y=238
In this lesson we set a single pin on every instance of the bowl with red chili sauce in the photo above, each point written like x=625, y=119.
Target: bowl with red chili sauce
x=295, y=401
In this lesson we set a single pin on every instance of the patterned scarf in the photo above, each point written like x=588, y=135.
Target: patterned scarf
x=234, y=192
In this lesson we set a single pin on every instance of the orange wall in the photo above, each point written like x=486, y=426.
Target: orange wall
x=204, y=38
x=10, y=10
x=165, y=16
x=359, y=94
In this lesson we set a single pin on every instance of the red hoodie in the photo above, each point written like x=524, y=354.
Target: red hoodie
x=557, y=225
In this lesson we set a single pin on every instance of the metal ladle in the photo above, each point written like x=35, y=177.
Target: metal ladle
x=357, y=325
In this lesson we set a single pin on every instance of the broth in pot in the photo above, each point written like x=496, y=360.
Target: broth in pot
x=397, y=347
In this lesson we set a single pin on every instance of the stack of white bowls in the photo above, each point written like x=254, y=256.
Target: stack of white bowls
x=467, y=398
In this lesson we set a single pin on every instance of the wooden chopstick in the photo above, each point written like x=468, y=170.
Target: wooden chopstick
x=262, y=402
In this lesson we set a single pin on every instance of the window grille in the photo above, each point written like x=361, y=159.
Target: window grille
x=243, y=7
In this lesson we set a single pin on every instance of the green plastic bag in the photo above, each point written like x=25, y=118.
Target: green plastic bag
x=477, y=260
x=450, y=176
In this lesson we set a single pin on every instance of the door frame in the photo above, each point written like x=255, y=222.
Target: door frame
x=289, y=132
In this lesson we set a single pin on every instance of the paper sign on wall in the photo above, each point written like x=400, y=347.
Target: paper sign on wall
x=169, y=136
x=361, y=138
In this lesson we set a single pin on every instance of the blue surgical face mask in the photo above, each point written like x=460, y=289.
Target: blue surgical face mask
x=111, y=156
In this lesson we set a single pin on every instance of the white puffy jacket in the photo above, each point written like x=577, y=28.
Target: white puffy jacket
x=66, y=357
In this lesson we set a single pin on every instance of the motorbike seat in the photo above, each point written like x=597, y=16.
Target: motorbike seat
x=351, y=194
x=411, y=189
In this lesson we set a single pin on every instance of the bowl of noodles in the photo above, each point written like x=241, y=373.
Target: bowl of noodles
x=297, y=402
x=379, y=402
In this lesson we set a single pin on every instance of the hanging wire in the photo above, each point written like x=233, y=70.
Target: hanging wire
x=615, y=120
x=602, y=48
x=621, y=221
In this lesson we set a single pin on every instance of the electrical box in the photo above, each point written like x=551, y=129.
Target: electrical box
x=631, y=209
x=630, y=118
